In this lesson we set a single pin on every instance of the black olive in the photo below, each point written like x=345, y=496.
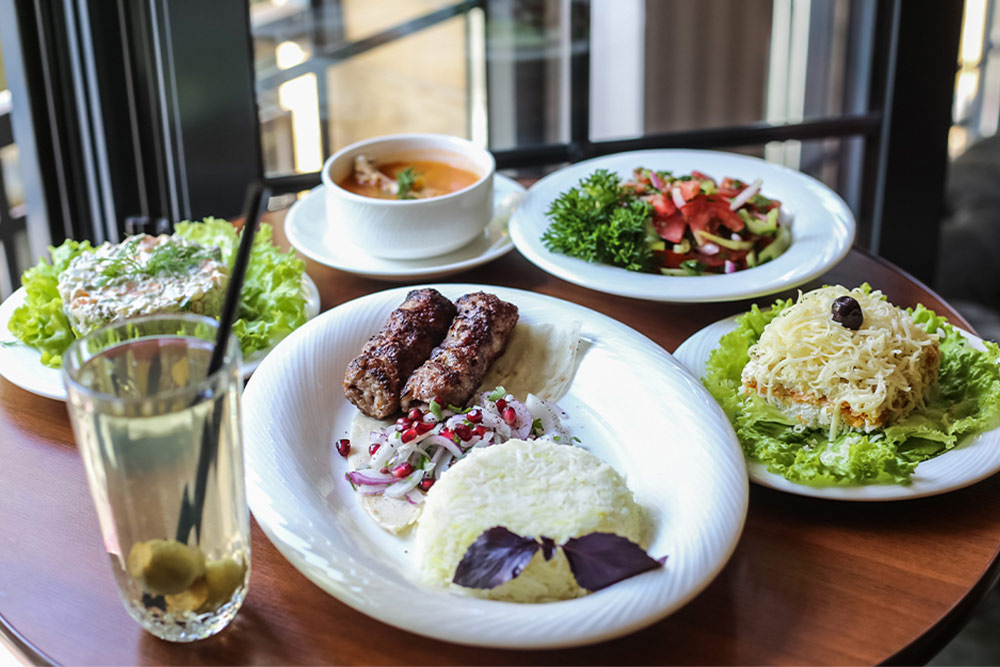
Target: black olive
x=847, y=311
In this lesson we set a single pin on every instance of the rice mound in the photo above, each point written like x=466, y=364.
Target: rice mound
x=532, y=488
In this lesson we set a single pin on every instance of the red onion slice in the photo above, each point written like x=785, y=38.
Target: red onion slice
x=675, y=192
x=744, y=197
x=730, y=267
x=709, y=249
x=655, y=179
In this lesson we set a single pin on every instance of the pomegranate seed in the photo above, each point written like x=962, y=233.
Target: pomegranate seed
x=509, y=416
x=384, y=470
x=344, y=447
x=423, y=427
x=403, y=421
x=426, y=484
x=440, y=401
x=448, y=433
x=463, y=432
x=479, y=430
x=409, y=434
x=475, y=416
x=415, y=415
x=501, y=404
x=402, y=470
x=372, y=448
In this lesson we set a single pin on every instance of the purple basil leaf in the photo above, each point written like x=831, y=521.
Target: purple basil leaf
x=496, y=557
x=601, y=559
x=548, y=547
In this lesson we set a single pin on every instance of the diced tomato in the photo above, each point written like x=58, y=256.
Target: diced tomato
x=711, y=261
x=663, y=205
x=698, y=214
x=727, y=217
x=672, y=260
x=730, y=187
x=689, y=189
x=697, y=175
x=671, y=228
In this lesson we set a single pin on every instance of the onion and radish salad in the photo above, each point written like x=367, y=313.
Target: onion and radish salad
x=655, y=222
x=408, y=457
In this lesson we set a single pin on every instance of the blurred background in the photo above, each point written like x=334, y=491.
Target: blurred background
x=113, y=112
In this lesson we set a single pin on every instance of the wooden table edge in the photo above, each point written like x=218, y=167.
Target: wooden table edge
x=25, y=650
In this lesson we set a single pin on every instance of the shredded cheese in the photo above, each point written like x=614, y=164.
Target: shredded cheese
x=863, y=379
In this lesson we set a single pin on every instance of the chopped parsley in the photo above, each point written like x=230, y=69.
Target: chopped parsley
x=601, y=221
x=405, y=181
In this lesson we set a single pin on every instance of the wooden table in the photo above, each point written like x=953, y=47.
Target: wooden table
x=811, y=581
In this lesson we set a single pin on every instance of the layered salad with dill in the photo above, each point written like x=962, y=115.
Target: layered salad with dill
x=86, y=287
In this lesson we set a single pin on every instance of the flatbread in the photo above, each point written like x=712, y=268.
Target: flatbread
x=392, y=514
x=540, y=359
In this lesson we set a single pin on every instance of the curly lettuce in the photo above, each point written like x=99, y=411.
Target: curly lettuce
x=966, y=401
x=40, y=322
x=272, y=303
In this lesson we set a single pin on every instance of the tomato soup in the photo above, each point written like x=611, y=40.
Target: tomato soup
x=411, y=179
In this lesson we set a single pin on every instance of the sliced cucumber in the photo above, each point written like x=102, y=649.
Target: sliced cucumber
x=758, y=226
x=725, y=243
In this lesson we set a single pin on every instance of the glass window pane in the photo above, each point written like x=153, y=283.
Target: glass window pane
x=331, y=72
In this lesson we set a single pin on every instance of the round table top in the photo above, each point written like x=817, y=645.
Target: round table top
x=811, y=581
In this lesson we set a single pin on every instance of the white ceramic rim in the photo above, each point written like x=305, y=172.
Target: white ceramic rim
x=341, y=568
x=974, y=459
x=831, y=230
x=476, y=154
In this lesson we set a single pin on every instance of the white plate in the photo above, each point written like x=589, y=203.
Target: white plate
x=822, y=229
x=308, y=233
x=22, y=365
x=683, y=464
x=973, y=460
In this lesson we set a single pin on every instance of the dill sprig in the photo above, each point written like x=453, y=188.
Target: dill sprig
x=169, y=258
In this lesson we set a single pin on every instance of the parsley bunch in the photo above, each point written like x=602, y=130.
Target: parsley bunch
x=599, y=221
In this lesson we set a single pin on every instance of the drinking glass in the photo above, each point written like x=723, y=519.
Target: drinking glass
x=162, y=447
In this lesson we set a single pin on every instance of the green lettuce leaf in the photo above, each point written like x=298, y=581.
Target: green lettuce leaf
x=965, y=401
x=40, y=321
x=272, y=303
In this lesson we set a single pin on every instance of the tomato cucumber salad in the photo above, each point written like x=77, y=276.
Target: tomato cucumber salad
x=656, y=222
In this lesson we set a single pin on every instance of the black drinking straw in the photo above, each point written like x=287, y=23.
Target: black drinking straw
x=191, y=512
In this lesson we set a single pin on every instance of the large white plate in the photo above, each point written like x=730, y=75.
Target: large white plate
x=22, y=365
x=683, y=463
x=822, y=229
x=308, y=233
x=973, y=460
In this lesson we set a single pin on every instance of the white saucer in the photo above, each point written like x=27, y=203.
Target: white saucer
x=307, y=231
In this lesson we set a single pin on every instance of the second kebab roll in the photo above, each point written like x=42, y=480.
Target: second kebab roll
x=477, y=336
x=374, y=379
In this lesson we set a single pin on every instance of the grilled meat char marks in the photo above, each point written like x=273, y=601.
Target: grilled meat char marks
x=476, y=338
x=374, y=379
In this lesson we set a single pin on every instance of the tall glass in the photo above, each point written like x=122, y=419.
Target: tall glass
x=160, y=440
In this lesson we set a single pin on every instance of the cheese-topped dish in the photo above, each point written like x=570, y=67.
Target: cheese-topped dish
x=826, y=373
x=142, y=275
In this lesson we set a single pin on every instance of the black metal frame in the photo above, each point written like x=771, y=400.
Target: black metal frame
x=12, y=226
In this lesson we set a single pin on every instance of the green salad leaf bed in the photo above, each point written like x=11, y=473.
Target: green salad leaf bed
x=272, y=304
x=965, y=401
